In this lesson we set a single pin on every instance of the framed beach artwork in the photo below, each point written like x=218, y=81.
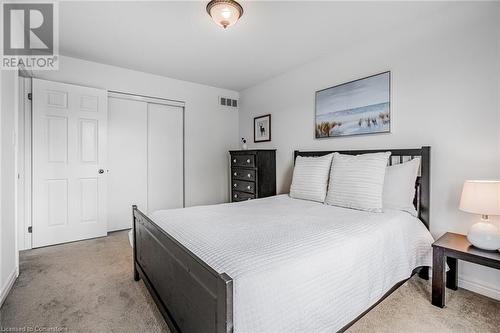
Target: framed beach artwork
x=358, y=107
x=262, y=128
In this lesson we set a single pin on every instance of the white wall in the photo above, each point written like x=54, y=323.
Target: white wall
x=9, y=267
x=445, y=94
x=210, y=130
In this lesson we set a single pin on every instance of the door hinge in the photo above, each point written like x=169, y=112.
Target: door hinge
x=30, y=96
x=30, y=230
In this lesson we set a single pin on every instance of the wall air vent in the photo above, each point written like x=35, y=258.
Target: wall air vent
x=229, y=102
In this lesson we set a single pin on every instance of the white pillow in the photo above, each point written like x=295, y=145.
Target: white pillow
x=357, y=181
x=399, y=186
x=310, y=177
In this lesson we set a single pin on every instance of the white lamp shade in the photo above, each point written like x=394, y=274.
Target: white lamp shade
x=481, y=197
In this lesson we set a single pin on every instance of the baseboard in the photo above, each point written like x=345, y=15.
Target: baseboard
x=479, y=288
x=8, y=285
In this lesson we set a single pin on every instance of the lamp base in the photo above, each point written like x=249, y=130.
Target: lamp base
x=484, y=235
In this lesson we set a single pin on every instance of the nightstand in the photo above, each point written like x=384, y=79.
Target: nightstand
x=450, y=247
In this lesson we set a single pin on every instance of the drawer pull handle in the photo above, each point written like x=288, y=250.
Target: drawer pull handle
x=234, y=185
x=236, y=195
x=248, y=161
x=248, y=187
x=235, y=174
x=249, y=175
x=234, y=161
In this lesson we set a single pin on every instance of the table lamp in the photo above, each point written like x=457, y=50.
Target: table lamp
x=482, y=197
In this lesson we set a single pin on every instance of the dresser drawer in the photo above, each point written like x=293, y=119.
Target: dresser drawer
x=242, y=196
x=243, y=160
x=241, y=185
x=243, y=174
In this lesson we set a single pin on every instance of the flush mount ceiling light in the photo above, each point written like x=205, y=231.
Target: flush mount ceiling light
x=224, y=12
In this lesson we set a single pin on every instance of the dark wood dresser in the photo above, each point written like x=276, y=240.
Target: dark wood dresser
x=253, y=174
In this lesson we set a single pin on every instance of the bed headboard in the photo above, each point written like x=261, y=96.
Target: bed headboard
x=422, y=185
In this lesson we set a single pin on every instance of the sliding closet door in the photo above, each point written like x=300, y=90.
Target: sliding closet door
x=165, y=157
x=128, y=172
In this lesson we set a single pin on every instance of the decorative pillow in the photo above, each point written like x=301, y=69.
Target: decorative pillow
x=310, y=178
x=357, y=181
x=399, y=186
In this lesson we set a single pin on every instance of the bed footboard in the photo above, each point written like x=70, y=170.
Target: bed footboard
x=191, y=296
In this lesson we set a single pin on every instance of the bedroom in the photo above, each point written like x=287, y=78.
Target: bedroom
x=303, y=80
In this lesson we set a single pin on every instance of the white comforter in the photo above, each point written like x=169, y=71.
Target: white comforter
x=301, y=266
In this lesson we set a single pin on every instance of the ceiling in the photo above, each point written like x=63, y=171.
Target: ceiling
x=179, y=40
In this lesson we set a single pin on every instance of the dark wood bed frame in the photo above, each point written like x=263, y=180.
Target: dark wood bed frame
x=192, y=296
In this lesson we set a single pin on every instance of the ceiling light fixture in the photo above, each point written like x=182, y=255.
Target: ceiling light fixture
x=224, y=12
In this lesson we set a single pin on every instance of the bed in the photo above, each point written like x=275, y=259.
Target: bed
x=280, y=264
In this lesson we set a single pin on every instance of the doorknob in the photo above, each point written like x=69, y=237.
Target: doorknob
x=101, y=171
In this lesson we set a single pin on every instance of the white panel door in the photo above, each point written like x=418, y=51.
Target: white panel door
x=165, y=157
x=127, y=146
x=69, y=150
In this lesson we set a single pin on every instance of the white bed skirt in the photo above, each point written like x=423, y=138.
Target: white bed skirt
x=131, y=237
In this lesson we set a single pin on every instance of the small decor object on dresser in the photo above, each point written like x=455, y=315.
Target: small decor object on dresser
x=253, y=174
x=358, y=107
x=262, y=128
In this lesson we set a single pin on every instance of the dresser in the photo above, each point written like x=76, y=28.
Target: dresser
x=253, y=174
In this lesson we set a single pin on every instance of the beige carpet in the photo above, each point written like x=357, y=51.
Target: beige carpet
x=88, y=286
